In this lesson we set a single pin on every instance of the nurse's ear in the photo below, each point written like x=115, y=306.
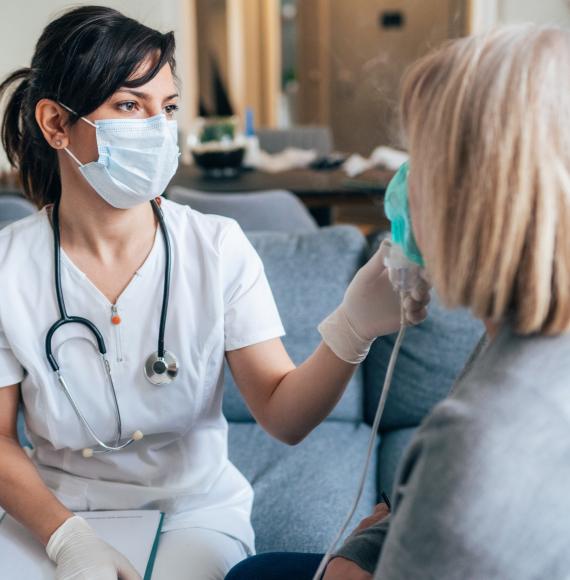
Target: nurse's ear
x=52, y=119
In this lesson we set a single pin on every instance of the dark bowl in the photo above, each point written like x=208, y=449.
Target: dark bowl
x=219, y=162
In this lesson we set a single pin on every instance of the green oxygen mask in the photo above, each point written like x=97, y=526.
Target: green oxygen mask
x=398, y=212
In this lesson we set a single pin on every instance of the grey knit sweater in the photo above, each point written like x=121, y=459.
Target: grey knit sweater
x=483, y=491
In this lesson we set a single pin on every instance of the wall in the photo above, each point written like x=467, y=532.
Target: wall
x=22, y=23
x=541, y=11
x=488, y=13
x=482, y=15
x=354, y=85
x=254, y=60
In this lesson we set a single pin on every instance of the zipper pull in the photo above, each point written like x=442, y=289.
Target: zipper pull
x=115, y=318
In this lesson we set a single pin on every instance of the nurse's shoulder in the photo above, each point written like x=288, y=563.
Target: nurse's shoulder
x=23, y=242
x=208, y=230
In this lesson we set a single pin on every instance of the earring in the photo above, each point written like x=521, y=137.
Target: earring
x=58, y=142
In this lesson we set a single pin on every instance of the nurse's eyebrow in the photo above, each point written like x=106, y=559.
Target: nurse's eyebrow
x=145, y=96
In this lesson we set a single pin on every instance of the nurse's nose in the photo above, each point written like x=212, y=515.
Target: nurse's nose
x=153, y=108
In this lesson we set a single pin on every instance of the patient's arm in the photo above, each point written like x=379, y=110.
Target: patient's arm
x=363, y=547
x=23, y=493
x=463, y=502
x=343, y=569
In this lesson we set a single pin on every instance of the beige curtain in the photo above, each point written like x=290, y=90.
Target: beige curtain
x=254, y=57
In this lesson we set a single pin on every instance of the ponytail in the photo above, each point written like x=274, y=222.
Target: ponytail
x=26, y=149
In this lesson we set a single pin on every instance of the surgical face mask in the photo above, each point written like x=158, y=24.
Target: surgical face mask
x=398, y=212
x=137, y=159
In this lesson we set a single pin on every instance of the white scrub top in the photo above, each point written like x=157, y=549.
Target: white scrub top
x=220, y=300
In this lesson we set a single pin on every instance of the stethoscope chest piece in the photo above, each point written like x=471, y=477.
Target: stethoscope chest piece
x=161, y=370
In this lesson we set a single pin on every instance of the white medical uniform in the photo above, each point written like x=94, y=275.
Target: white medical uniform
x=220, y=300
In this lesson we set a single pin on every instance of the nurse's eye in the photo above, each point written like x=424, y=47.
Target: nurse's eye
x=127, y=106
x=171, y=109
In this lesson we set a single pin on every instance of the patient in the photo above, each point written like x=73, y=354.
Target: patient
x=482, y=493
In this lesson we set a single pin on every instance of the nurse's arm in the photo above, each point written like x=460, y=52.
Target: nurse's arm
x=289, y=402
x=23, y=494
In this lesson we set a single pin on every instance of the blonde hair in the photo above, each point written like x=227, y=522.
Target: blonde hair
x=487, y=120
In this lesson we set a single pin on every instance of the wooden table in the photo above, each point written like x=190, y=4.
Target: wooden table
x=319, y=190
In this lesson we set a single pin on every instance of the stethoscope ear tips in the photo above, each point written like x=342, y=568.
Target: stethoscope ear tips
x=136, y=436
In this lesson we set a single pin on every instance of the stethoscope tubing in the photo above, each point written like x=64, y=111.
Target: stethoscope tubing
x=167, y=270
x=66, y=319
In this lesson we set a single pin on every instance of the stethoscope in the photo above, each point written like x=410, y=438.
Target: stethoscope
x=161, y=367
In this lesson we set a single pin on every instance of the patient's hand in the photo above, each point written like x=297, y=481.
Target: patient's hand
x=343, y=569
x=381, y=512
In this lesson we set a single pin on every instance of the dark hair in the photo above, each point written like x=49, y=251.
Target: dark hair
x=81, y=59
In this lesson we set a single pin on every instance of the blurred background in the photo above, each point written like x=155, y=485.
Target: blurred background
x=291, y=75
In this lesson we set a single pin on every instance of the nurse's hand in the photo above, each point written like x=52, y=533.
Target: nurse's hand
x=371, y=308
x=79, y=554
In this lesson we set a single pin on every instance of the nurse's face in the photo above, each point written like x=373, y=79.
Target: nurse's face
x=156, y=96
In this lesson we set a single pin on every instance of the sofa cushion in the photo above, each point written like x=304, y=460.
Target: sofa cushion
x=308, y=274
x=303, y=493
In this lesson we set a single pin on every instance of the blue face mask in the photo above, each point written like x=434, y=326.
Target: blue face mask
x=398, y=212
x=137, y=159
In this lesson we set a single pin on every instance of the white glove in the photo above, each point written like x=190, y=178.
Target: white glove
x=371, y=308
x=79, y=554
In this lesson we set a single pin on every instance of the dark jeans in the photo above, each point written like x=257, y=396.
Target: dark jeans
x=277, y=566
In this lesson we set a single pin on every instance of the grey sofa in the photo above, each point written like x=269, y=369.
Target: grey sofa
x=303, y=493
x=13, y=207
x=276, y=210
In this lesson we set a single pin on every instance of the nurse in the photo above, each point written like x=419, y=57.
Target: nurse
x=90, y=127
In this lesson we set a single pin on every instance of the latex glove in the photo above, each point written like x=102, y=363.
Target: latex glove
x=79, y=554
x=371, y=308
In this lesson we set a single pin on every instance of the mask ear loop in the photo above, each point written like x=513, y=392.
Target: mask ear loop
x=73, y=157
x=83, y=119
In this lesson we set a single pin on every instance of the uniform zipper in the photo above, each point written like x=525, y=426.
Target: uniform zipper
x=116, y=321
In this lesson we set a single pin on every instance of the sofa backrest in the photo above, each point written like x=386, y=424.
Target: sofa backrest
x=432, y=356
x=308, y=274
x=275, y=210
x=14, y=207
